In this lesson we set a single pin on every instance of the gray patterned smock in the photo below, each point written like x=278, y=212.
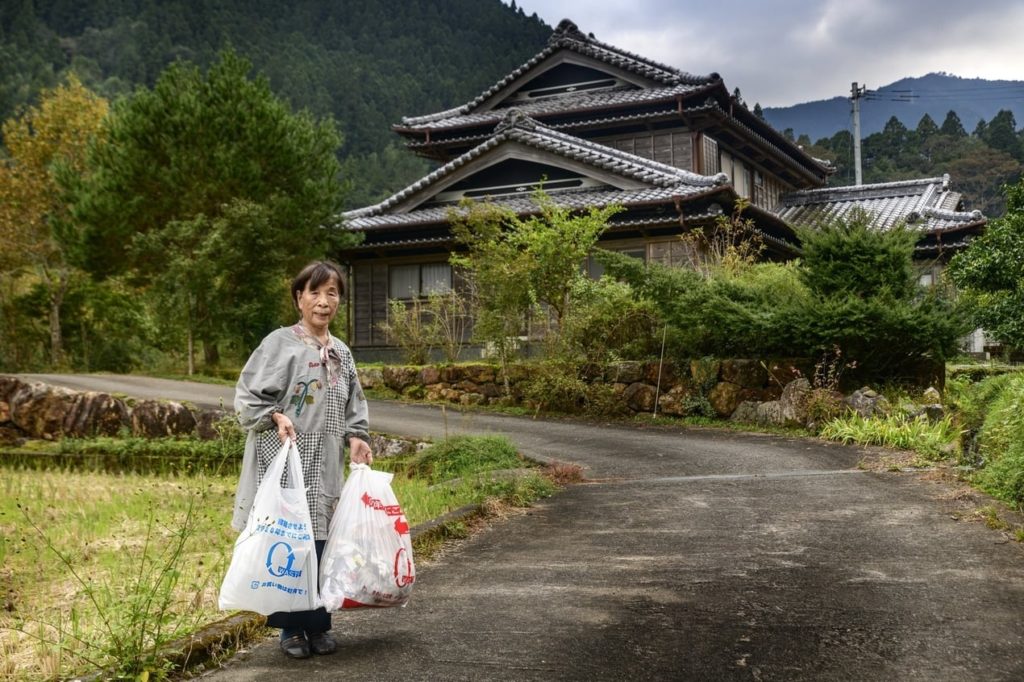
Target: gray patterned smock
x=318, y=389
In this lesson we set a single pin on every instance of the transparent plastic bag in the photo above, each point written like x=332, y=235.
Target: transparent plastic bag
x=274, y=567
x=368, y=558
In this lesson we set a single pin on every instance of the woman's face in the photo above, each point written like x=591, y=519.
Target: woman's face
x=319, y=305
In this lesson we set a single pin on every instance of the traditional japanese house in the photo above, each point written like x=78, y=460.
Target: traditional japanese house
x=595, y=125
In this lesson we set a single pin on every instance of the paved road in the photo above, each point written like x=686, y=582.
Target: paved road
x=693, y=555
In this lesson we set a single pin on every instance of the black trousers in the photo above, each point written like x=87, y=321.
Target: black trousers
x=310, y=621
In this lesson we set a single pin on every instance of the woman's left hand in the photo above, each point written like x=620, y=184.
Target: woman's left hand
x=359, y=451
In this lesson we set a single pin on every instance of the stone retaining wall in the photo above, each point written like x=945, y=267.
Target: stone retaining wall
x=31, y=409
x=725, y=384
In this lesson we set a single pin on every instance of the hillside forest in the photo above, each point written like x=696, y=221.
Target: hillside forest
x=108, y=262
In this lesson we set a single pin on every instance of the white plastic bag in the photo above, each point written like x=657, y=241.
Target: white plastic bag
x=274, y=566
x=368, y=557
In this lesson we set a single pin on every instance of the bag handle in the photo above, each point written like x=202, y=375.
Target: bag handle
x=294, y=464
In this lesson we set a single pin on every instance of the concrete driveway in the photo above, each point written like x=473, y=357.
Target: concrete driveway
x=692, y=555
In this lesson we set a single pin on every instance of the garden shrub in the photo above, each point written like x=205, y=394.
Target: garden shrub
x=609, y=323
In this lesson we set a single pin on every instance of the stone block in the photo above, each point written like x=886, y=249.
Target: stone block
x=770, y=413
x=155, y=419
x=626, y=372
x=639, y=397
x=724, y=398
x=745, y=373
x=430, y=375
x=745, y=412
x=398, y=378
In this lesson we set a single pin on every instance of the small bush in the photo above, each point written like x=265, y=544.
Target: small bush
x=610, y=323
x=463, y=455
x=408, y=328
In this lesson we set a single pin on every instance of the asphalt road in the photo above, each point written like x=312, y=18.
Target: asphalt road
x=693, y=555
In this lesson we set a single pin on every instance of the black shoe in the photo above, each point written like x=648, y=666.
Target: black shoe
x=322, y=643
x=296, y=646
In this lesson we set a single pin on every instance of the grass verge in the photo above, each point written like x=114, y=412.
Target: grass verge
x=103, y=569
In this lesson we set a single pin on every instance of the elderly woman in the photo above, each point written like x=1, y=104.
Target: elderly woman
x=301, y=383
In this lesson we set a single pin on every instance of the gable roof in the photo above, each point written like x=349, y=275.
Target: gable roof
x=568, y=36
x=645, y=181
x=928, y=205
x=648, y=93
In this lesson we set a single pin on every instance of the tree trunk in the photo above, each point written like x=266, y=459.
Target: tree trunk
x=191, y=351
x=190, y=325
x=56, y=338
x=211, y=354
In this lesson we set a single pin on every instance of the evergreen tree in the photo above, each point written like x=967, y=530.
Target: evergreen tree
x=758, y=111
x=211, y=191
x=1001, y=134
x=952, y=126
x=926, y=128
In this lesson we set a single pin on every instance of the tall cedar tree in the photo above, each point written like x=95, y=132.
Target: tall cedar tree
x=211, y=190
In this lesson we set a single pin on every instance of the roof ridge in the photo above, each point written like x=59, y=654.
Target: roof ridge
x=946, y=214
x=567, y=35
x=851, y=189
x=567, y=30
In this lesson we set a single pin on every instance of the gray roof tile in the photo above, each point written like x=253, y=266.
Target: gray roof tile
x=576, y=102
x=519, y=128
x=524, y=204
x=926, y=205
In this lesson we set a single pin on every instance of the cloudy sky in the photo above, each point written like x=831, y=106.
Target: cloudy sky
x=781, y=52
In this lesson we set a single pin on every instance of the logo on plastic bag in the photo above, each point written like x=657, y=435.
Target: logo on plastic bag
x=405, y=575
x=278, y=570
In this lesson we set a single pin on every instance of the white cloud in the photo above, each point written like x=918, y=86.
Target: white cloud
x=780, y=52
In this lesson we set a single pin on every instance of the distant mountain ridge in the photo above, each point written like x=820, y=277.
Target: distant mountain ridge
x=934, y=94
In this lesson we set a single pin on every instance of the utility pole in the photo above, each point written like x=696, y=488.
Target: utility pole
x=855, y=94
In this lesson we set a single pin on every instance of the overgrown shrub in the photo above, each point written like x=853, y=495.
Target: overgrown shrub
x=610, y=323
x=866, y=301
x=854, y=288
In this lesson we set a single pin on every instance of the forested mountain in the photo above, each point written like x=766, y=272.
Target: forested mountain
x=908, y=99
x=365, y=62
x=921, y=127
x=369, y=62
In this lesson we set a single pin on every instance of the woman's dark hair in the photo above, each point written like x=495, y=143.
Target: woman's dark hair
x=315, y=274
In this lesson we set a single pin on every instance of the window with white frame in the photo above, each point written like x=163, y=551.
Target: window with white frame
x=417, y=280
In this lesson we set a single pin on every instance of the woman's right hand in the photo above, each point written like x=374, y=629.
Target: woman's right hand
x=285, y=428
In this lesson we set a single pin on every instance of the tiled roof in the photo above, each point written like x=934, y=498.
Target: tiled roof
x=567, y=35
x=927, y=205
x=577, y=102
x=664, y=180
x=524, y=203
x=571, y=125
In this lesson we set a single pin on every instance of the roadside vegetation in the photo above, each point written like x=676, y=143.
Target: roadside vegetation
x=101, y=569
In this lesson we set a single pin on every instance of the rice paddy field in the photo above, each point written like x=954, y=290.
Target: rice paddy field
x=99, y=569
